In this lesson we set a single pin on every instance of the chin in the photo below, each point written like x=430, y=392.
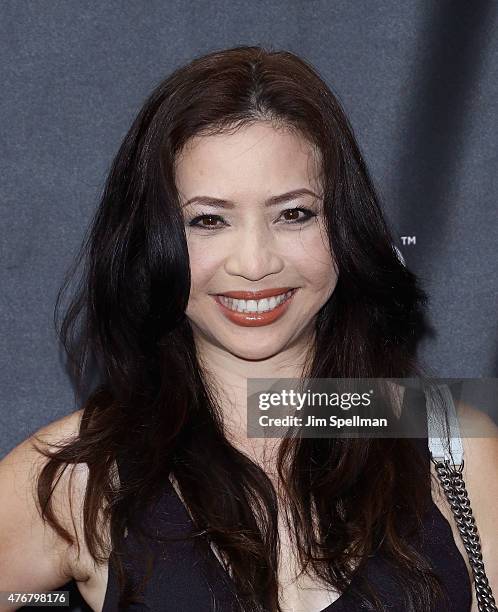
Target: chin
x=255, y=349
x=256, y=355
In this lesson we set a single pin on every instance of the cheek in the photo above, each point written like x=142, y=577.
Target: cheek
x=322, y=278
x=204, y=262
x=312, y=257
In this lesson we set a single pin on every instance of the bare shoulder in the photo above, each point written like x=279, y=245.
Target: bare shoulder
x=32, y=554
x=480, y=448
x=64, y=427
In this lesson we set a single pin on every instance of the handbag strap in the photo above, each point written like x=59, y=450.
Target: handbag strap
x=447, y=456
x=438, y=440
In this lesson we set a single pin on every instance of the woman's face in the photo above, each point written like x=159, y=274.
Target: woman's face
x=248, y=239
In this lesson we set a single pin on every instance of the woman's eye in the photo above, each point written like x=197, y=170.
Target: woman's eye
x=196, y=221
x=291, y=217
x=294, y=215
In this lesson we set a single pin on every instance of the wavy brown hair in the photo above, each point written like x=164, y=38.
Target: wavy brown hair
x=130, y=349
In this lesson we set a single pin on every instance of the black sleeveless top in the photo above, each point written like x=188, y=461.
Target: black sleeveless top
x=188, y=577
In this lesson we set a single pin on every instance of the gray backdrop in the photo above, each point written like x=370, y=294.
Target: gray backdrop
x=417, y=78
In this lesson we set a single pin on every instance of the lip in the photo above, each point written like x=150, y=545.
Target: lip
x=256, y=295
x=255, y=319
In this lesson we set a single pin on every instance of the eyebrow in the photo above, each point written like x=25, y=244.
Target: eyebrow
x=273, y=201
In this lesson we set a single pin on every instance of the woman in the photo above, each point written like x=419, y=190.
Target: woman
x=239, y=180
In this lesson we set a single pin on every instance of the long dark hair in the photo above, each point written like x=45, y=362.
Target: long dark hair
x=151, y=402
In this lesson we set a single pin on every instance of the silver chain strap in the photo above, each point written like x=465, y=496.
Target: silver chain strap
x=454, y=488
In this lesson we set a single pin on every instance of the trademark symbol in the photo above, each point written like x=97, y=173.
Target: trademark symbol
x=408, y=240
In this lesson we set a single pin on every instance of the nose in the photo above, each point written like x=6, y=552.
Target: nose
x=253, y=254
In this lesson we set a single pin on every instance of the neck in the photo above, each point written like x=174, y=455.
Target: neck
x=227, y=373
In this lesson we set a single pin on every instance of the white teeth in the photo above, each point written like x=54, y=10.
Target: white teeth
x=263, y=305
x=252, y=306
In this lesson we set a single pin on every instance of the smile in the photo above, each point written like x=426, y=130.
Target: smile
x=252, y=313
x=263, y=305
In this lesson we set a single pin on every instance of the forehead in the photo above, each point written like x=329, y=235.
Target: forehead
x=258, y=160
